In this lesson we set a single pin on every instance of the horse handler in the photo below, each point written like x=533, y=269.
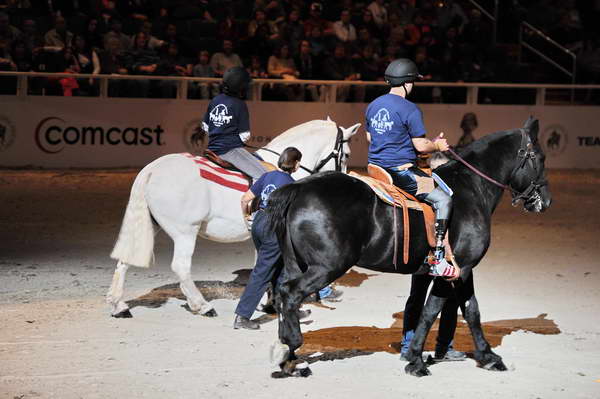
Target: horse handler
x=269, y=262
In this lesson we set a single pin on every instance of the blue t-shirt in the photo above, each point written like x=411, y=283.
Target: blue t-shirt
x=225, y=118
x=393, y=122
x=268, y=183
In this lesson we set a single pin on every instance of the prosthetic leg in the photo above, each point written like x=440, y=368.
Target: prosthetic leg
x=442, y=203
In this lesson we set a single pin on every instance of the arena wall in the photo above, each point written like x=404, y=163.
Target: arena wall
x=58, y=132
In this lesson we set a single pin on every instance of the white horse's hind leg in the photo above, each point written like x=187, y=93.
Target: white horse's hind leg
x=114, y=297
x=181, y=265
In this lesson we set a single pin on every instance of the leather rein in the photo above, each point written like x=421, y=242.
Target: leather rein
x=337, y=154
x=524, y=154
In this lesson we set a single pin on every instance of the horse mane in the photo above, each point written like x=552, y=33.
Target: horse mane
x=304, y=131
x=478, y=147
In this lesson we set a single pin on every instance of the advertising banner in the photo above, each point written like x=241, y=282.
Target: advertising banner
x=76, y=132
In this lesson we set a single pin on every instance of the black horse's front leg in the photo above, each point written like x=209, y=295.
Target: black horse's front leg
x=484, y=355
x=416, y=365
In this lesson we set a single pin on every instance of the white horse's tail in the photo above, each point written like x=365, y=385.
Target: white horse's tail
x=135, y=244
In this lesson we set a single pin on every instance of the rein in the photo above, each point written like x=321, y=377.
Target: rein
x=335, y=154
x=525, y=152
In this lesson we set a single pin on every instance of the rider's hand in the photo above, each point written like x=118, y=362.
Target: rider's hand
x=440, y=143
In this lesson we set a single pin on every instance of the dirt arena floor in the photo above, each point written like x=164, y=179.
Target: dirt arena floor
x=538, y=288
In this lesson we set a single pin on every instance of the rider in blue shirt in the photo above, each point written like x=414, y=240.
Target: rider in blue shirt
x=396, y=132
x=227, y=123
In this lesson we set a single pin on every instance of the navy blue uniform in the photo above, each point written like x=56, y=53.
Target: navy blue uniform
x=393, y=121
x=225, y=119
x=268, y=259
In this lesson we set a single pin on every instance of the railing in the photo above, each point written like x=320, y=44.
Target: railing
x=527, y=30
x=472, y=97
x=492, y=16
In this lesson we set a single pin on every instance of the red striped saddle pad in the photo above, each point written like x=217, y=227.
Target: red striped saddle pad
x=213, y=172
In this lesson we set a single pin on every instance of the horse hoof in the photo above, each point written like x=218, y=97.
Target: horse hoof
x=496, y=366
x=416, y=370
x=303, y=372
x=123, y=314
x=278, y=353
x=210, y=313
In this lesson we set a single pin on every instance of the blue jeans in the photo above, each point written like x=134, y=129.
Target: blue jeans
x=404, y=179
x=268, y=264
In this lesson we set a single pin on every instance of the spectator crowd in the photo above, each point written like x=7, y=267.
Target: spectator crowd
x=450, y=41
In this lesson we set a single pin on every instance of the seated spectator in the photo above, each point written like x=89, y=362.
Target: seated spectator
x=343, y=29
x=7, y=31
x=229, y=28
x=308, y=68
x=339, y=67
x=22, y=57
x=367, y=22
x=59, y=37
x=404, y=10
x=273, y=10
x=315, y=20
x=153, y=42
x=380, y=13
x=141, y=60
x=202, y=69
x=416, y=30
x=256, y=70
x=88, y=62
x=366, y=40
x=366, y=65
x=31, y=37
x=477, y=32
x=450, y=13
x=113, y=62
x=8, y=84
x=124, y=42
x=69, y=85
x=92, y=35
x=292, y=30
x=395, y=30
x=172, y=64
x=281, y=65
x=260, y=21
x=317, y=43
x=223, y=60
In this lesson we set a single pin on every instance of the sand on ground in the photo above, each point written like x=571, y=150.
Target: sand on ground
x=57, y=339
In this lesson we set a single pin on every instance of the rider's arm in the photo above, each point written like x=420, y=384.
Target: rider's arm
x=246, y=201
x=425, y=145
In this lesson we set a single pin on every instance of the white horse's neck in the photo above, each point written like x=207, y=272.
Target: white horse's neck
x=314, y=139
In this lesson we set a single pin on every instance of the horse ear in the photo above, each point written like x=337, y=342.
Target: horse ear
x=532, y=125
x=351, y=131
x=329, y=119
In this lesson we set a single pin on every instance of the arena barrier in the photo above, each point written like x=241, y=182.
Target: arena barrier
x=105, y=132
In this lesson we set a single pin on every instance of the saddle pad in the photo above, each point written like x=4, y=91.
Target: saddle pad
x=385, y=193
x=213, y=172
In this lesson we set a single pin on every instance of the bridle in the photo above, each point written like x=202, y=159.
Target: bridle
x=525, y=156
x=336, y=154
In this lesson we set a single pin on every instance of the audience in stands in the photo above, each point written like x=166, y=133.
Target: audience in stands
x=451, y=40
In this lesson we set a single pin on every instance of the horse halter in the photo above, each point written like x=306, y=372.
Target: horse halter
x=336, y=154
x=525, y=156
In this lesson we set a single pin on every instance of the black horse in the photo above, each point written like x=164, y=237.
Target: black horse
x=329, y=222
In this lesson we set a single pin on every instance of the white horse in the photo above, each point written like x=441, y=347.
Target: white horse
x=185, y=206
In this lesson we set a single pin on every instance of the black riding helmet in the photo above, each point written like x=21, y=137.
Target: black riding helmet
x=236, y=81
x=401, y=71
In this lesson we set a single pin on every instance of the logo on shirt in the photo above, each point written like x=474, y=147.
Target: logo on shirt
x=266, y=192
x=381, y=122
x=219, y=116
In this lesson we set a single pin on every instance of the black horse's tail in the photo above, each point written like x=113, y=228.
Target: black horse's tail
x=279, y=203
